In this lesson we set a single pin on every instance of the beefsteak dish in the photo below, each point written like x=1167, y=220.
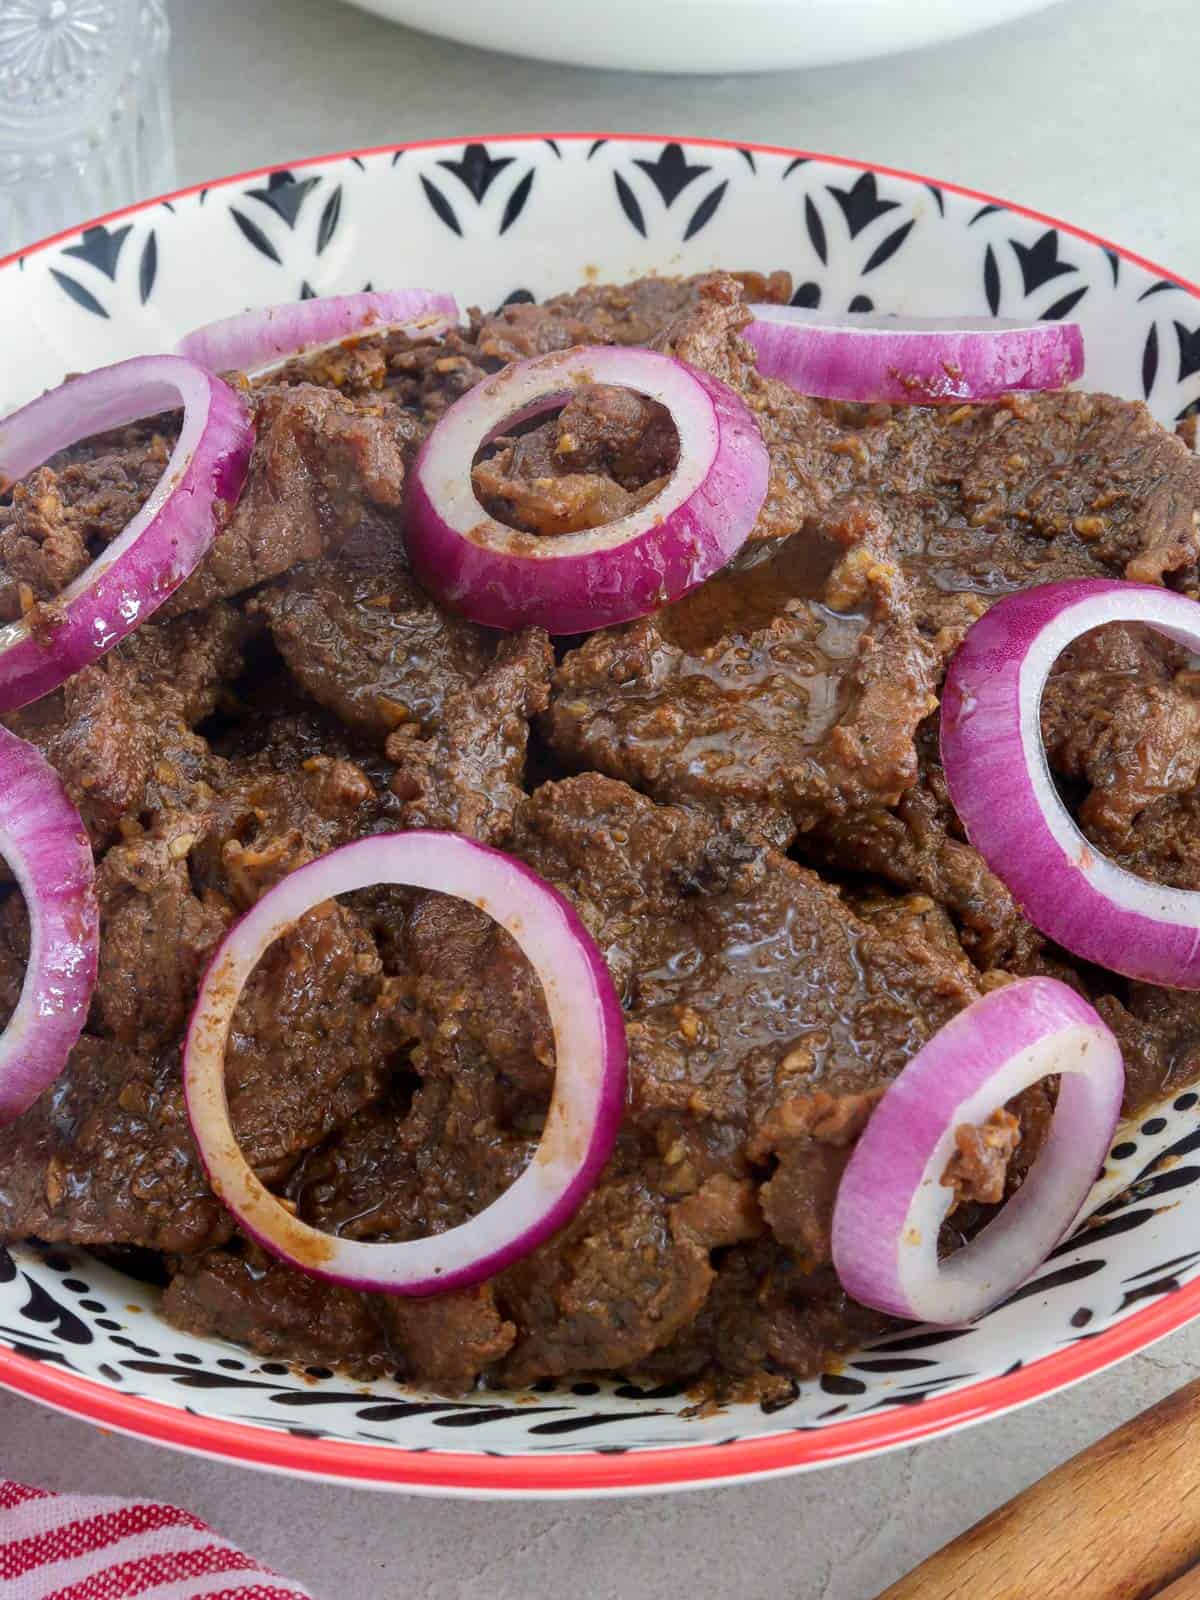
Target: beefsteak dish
x=738, y=791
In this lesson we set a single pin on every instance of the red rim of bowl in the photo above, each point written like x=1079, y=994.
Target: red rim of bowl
x=597, y=1471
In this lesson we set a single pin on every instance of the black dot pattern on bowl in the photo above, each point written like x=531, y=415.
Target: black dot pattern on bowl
x=1186, y=1101
x=231, y=1365
x=585, y=1388
x=319, y=1372
x=274, y=1369
x=76, y=1285
x=57, y=1262
x=840, y=1383
x=92, y=1305
x=1122, y=1151
x=188, y=1359
x=132, y=1344
x=108, y=1325
x=1155, y=1125
x=544, y=1386
x=1082, y=1317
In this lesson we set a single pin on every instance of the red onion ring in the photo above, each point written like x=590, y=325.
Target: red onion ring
x=913, y=360
x=589, y=1085
x=570, y=583
x=46, y=847
x=257, y=340
x=1004, y=794
x=891, y=1203
x=157, y=550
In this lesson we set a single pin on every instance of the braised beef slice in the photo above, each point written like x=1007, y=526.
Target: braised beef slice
x=118, y=733
x=259, y=1302
x=448, y=1340
x=608, y=452
x=41, y=549
x=364, y=640
x=588, y=1299
x=105, y=1156
x=1121, y=723
x=1159, y=1034
x=765, y=1323
x=1163, y=843
x=911, y=916
x=984, y=500
x=399, y=1173
x=324, y=468
x=1121, y=714
x=811, y=1137
x=92, y=732
x=614, y=1286
x=430, y=377
x=402, y=1173
x=792, y=680
x=468, y=775
x=318, y=1024
x=724, y=1210
x=156, y=935
x=631, y=869
x=61, y=517
x=451, y=701
x=379, y=367
x=918, y=845
x=14, y=949
x=274, y=810
x=978, y=1168
x=311, y=1039
x=630, y=313
x=181, y=667
x=442, y=1343
x=747, y=982
x=991, y=1160
x=467, y=974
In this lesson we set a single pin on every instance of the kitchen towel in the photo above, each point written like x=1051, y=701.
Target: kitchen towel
x=97, y=1547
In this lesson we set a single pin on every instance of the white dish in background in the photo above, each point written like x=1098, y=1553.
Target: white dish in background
x=527, y=216
x=712, y=36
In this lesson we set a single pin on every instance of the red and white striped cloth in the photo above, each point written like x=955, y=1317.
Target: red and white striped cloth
x=96, y=1547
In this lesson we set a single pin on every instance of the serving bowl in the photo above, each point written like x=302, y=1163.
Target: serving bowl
x=703, y=35
x=530, y=215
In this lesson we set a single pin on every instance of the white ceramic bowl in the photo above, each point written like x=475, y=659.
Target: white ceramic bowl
x=702, y=35
x=533, y=215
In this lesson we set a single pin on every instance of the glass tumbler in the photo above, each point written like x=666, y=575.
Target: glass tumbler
x=85, y=112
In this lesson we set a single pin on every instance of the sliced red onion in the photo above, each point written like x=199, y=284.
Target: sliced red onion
x=589, y=1083
x=257, y=340
x=1002, y=789
x=891, y=1202
x=157, y=550
x=913, y=360
x=574, y=582
x=45, y=845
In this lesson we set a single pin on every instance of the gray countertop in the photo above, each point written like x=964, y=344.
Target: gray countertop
x=1090, y=111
